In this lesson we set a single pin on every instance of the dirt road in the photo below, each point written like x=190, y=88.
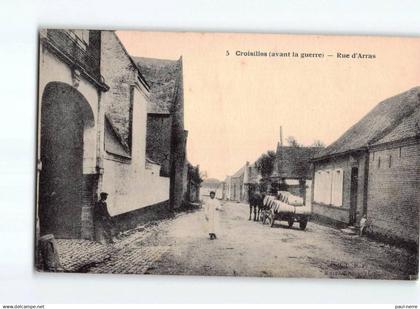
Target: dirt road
x=246, y=248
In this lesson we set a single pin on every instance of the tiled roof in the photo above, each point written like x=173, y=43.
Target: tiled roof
x=161, y=75
x=408, y=127
x=240, y=172
x=294, y=162
x=377, y=124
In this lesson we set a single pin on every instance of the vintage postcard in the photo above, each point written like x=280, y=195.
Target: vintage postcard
x=228, y=154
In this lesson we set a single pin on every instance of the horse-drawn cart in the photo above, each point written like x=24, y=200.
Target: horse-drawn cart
x=285, y=207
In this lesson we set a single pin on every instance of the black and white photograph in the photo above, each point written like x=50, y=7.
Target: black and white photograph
x=222, y=154
x=184, y=153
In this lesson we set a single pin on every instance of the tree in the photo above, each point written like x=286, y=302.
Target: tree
x=318, y=143
x=292, y=141
x=265, y=163
x=203, y=175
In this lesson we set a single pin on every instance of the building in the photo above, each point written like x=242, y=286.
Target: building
x=70, y=90
x=221, y=191
x=132, y=179
x=166, y=137
x=373, y=169
x=93, y=102
x=293, y=168
x=192, y=183
x=394, y=180
x=224, y=189
x=237, y=185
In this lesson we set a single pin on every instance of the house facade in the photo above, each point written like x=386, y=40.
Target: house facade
x=235, y=187
x=293, y=168
x=132, y=180
x=225, y=189
x=372, y=169
x=166, y=136
x=93, y=118
x=238, y=186
x=70, y=89
x=394, y=181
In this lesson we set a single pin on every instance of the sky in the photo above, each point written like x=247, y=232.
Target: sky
x=235, y=104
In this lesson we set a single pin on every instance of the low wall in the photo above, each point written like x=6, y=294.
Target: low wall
x=339, y=214
x=130, y=188
x=142, y=216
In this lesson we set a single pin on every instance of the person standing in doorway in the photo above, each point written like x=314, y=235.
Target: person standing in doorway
x=212, y=209
x=103, y=220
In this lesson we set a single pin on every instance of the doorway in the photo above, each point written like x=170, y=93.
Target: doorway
x=353, y=194
x=64, y=116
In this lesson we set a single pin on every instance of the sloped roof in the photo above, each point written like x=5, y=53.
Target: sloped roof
x=409, y=127
x=254, y=174
x=294, y=162
x=161, y=75
x=114, y=143
x=240, y=172
x=379, y=122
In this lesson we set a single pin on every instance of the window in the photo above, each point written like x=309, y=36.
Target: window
x=326, y=194
x=328, y=187
x=379, y=162
x=400, y=152
x=390, y=161
x=337, y=188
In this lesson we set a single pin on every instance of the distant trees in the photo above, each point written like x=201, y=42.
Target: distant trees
x=292, y=141
x=203, y=175
x=265, y=163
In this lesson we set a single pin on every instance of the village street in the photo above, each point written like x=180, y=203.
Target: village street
x=180, y=246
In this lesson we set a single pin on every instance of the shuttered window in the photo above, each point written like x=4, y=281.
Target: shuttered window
x=337, y=188
x=328, y=187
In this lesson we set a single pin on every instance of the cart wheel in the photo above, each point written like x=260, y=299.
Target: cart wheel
x=263, y=218
x=271, y=220
x=303, y=223
x=290, y=222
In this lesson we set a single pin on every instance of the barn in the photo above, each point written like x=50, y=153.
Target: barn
x=373, y=170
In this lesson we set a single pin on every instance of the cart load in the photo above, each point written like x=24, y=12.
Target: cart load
x=286, y=207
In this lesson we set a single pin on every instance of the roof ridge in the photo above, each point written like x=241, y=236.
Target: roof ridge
x=395, y=124
x=384, y=117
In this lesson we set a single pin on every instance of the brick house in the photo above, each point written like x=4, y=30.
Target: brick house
x=166, y=137
x=373, y=169
x=394, y=176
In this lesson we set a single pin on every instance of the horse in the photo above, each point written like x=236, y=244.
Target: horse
x=255, y=204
